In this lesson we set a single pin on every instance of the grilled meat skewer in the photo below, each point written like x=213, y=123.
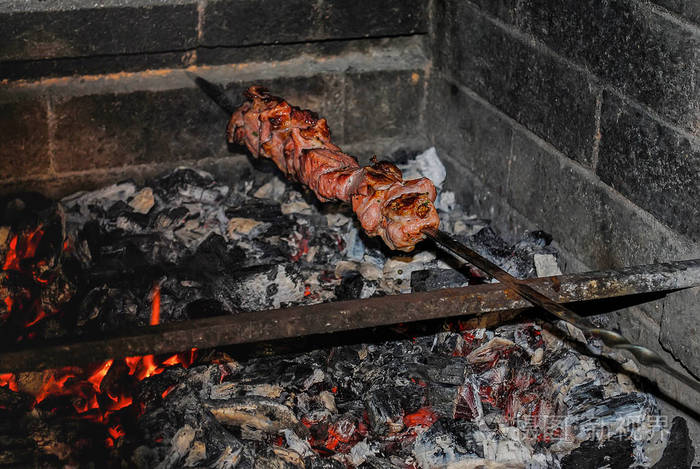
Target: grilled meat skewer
x=299, y=143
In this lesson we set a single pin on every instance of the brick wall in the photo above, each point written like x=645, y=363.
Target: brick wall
x=92, y=95
x=581, y=117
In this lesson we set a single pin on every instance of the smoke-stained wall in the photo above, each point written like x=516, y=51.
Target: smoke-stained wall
x=581, y=118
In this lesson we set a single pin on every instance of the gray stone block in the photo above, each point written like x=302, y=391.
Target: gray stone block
x=369, y=18
x=653, y=165
x=680, y=331
x=51, y=32
x=477, y=138
x=546, y=95
x=628, y=44
x=95, y=65
x=504, y=10
x=687, y=9
x=595, y=224
x=113, y=130
x=383, y=103
x=246, y=22
x=24, y=137
x=249, y=22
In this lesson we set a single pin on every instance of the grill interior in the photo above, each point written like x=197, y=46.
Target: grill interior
x=580, y=120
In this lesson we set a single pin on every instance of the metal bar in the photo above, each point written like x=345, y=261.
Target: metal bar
x=612, y=339
x=474, y=301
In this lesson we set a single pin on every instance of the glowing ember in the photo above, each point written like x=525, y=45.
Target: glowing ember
x=424, y=417
x=11, y=259
x=155, y=309
x=167, y=391
x=116, y=431
x=119, y=402
x=40, y=315
x=98, y=376
x=22, y=248
x=9, y=380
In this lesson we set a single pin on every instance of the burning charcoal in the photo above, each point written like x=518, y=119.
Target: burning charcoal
x=325, y=463
x=467, y=404
x=426, y=280
x=448, y=441
x=385, y=412
x=412, y=396
x=12, y=402
x=583, y=394
x=442, y=399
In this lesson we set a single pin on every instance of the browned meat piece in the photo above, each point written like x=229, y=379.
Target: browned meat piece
x=299, y=143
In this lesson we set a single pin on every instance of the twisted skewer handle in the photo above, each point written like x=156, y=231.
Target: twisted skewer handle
x=612, y=339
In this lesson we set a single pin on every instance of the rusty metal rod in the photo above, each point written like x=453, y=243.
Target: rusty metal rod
x=496, y=300
x=612, y=339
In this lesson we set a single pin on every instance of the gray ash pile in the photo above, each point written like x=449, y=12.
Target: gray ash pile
x=186, y=246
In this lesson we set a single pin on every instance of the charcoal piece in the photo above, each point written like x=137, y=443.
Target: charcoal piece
x=537, y=238
x=204, y=308
x=13, y=403
x=161, y=424
x=446, y=370
x=384, y=412
x=679, y=452
x=487, y=242
x=170, y=218
x=117, y=209
x=322, y=463
x=447, y=441
x=615, y=453
x=151, y=390
x=213, y=256
x=412, y=396
x=373, y=462
x=258, y=209
x=432, y=279
x=172, y=182
x=132, y=221
x=350, y=287
x=442, y=399
x=581, y=396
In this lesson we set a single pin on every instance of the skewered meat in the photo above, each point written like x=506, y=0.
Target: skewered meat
x=299, y=143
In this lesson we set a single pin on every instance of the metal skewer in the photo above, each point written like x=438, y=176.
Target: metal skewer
x=612, y=339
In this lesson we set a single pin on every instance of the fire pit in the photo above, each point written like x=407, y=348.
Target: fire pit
x=169, y=301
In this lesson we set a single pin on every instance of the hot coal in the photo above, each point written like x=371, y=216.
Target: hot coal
x=418, y=397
